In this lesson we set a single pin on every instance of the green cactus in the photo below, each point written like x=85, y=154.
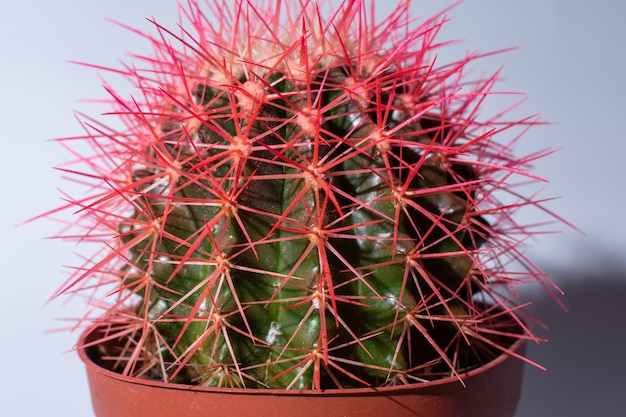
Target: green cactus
x=308, y=205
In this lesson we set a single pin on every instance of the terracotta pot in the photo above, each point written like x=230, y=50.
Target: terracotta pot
x=491, y=391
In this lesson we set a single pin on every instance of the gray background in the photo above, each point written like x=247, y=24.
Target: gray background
x=570, y=62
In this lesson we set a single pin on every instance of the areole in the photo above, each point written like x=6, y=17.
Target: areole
x=492, y=390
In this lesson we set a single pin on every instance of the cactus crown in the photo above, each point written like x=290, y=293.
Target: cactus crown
x=302, y=202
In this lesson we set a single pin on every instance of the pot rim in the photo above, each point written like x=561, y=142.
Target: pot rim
x=514, y=348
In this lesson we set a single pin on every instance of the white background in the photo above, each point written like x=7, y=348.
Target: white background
x=570, y=62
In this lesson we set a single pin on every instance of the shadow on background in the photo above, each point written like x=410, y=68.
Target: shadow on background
x=585, y=355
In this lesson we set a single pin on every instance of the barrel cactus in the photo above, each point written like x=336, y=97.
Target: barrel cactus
x=301, y=198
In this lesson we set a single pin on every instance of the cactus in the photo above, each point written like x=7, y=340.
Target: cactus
x=301, y=199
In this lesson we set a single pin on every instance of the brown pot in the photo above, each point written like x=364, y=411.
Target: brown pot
x=490, y=391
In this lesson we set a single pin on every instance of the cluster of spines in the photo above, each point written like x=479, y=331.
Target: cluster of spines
x=303, y=211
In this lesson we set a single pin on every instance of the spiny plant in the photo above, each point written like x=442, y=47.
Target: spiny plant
x=300, y=198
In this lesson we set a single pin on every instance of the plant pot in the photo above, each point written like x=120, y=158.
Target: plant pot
x=490, y=391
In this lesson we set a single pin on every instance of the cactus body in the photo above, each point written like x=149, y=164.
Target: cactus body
x=308, y=205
